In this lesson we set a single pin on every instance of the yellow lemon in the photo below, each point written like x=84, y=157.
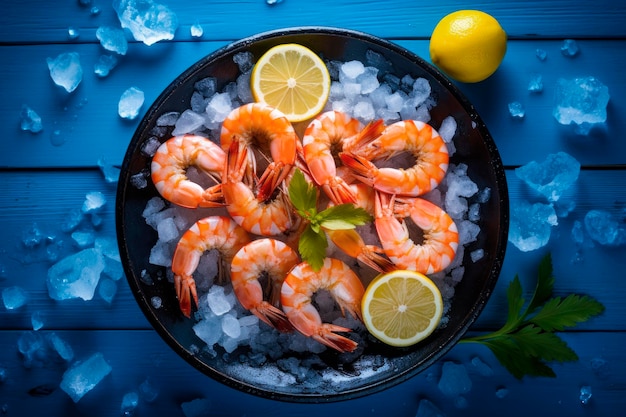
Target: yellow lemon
x=293, y=79
x=468, y=45
x=401, y=308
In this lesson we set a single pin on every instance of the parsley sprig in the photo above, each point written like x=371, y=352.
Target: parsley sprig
x=313, y=243
x=527, y=342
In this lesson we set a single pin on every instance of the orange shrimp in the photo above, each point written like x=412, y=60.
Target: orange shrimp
x=213, y=232
x=271, y=258
x=268, y=130
x=169, y=170
x=440, y=234
x=352, y=244
x=266, y=218
x=296, y=298
x=322, y=140
x=415, y=137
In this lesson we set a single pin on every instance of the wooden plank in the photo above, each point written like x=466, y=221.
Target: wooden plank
x=28, y=198
x=89, y=122
x=137, y=355
x=35, y=22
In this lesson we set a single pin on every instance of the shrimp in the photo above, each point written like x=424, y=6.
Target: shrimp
x=327, y=134
x=169, y=170
x=296, y=298
x=415, y=137
x=263, y=257
x=213, y=232
x=266, y=218
x=440, y=234
x=351, y=243
x=264, y=127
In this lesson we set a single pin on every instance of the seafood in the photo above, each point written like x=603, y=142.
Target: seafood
x=267, y=130
x=296, y=299
x=169, y=170
x=213, y=232
x=440, y=234
x=351, y=243
x=266, y=218
x=415, y=137
x=322, y=140
x=272, y=259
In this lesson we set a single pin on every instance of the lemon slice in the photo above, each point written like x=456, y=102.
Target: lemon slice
x=401, y=308
x=293, y=79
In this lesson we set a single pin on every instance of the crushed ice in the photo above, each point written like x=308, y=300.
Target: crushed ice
x=148, y=21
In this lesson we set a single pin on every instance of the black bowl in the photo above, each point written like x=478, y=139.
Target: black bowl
x=476, y=149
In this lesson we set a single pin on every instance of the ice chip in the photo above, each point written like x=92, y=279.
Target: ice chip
x=351, y=70
x=516, y=110
x=72, y=33
x=104, y=65
x=189, y=121
x=535, y=85
x=130, y=401
x=196, y=30
x=36, y=320
x=14, y=297
x=83, y=376
x=531, y=225
x=551, y=177
x=130, y=102
x=580, y=101
x=569, y=48
x=454, y=379
x=30, y=120
x=604, y=228
x=61, y=347
x=75, y=276
x=447, y=129
x=83, y=239
x=110, y=172
x=112, y=39
x=585, y=394
x=149, y=22
x=94, y=200
x=244, y=60
x=65, y=70
x=218, y=302
x=541, y=54
x=231, y=326
x=206, y=86
x=219, y=107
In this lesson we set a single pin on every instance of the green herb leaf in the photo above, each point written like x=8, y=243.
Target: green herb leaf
x=343, y=216
x=312, y=247
x=526, y=341
x=557, y=313
x=302, y=195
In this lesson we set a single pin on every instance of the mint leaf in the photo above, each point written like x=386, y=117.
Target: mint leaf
x=302, y=195
x=312, y=247
x=557, y=313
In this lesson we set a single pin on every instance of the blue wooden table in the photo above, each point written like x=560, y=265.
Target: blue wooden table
x=45, y=176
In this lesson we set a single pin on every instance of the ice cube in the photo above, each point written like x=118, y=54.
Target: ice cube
x=72, y=33
x=156, y=302
x=531, y=225
x=535, y=85
x=130, y=401
x=36, y=320
x=112, y=39
x=61, y=347
x=368, y=80
x=110, y=172
x=188, y=122
x=541, y=54
x=107, y=290
x=14, y=297
x=206, y=86
x=209, y=331
x=604, y=228
x=364, y=111
x=551, y=177
x=65, y=70
x=447, y=129
x=244, y=60
x=75, y=276
x=581, y=101
x=30, y=120
x=130, y=102
x=231, y=326
x=196, y=30
x=516, y=110
x=149, y=22
x=167, y=230
x=83, y=239
x=94, y=200
x=585, y=394
x=477, y=255
x=420, y=91
x=219, y=107
x=218, y=302
x=104, y=65
x=83, y=376
x=351, y=70
x=569, y=48
x=454, y=379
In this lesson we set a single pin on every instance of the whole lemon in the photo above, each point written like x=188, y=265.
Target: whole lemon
x=468, y=45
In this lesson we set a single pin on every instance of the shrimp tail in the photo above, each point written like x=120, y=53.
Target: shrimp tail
x=327, y=335
x=273, y=316
x=273, y=175
x=375, y=258
x=340, y=192
x=185, y=291
x=369, y=133
x=361, y=167
x=212, y=197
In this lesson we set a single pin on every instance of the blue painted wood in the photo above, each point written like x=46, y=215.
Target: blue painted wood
x=32, y=21
x=81, y=117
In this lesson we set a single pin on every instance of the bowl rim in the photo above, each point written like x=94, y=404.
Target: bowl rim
x=376, y=386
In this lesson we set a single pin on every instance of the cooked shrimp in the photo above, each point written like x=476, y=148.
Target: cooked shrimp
x=263, y=257
x=266, y=218
x=267, y=130
x=169, y=170
x=415, y=137
x=440, y=234
x=352, y=244
x=213, y=232
x=296, y=298
x=326, y=136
